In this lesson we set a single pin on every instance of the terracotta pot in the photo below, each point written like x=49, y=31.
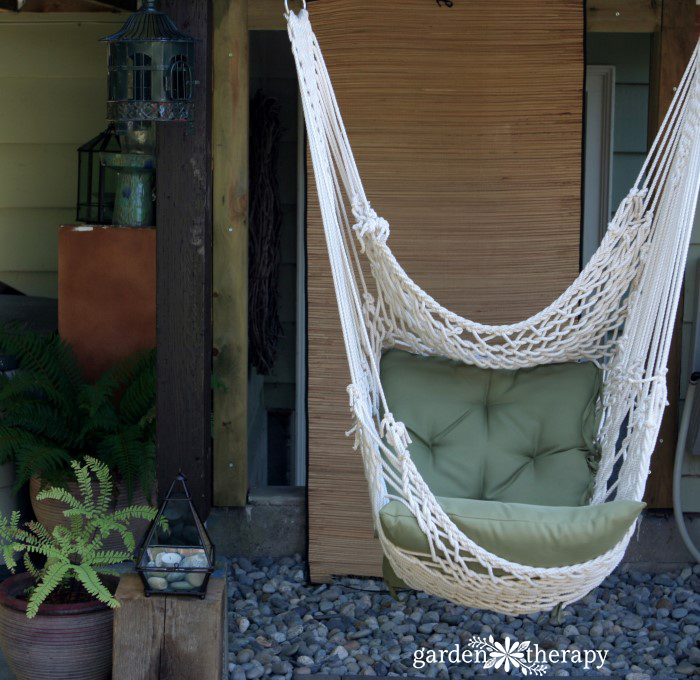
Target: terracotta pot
x=62, y=642
x=50, y=512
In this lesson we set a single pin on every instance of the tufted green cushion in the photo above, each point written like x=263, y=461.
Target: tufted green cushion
x=535, y=535
x=517, y=436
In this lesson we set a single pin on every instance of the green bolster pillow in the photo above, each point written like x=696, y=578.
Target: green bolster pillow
x=532, y=535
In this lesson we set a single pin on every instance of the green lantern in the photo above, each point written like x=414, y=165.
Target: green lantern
x=151, y=69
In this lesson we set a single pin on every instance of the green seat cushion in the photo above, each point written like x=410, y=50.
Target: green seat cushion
x=517, y=436
x=534, y=535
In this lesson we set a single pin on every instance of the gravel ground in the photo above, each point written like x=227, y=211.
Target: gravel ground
x=279, y=627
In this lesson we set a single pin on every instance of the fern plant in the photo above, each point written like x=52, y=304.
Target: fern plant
x=50, y=415
x=73, y=554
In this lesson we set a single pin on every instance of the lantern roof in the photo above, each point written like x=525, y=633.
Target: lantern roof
x=149, y=25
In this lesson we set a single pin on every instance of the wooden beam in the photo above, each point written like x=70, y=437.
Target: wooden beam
x=623, y=16
x=671, y=50
x=266, y=15
x=602, y=16
x=230, y=303
x=69, y=5
x=183, y=308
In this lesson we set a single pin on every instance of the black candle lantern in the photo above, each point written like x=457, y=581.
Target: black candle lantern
x=96, y=183
x=177, y=556
x=151, y=69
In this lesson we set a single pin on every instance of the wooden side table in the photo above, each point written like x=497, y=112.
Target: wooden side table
x=166, y=637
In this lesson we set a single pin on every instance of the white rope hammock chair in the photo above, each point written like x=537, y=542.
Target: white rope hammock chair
x=618, y=313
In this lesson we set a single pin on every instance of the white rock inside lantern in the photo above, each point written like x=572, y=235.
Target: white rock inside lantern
x=157, y=583
x=168, y=559
x=198, y=561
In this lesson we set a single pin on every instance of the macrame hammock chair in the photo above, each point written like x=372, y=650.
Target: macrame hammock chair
x=619, y=314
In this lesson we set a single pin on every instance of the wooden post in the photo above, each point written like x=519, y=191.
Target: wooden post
x=169, y=637
x=672, y=48
x=230, y=303
x=183, y=313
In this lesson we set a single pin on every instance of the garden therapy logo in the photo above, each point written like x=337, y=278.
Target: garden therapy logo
x=524, y=657
x=508, y=655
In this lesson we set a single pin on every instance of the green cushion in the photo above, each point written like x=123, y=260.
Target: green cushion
x=533, y=535
x=517, y=436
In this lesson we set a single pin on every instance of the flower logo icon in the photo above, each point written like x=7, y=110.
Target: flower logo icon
x=507, y=655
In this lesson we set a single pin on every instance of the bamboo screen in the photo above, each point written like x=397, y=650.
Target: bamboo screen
x=466, y=123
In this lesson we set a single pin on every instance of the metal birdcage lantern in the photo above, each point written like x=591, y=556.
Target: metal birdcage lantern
x=151, y=69
x=177, y=556
x=97, y=183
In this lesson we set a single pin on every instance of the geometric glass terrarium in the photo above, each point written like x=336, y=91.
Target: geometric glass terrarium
x=96, y=183
x=177, y=556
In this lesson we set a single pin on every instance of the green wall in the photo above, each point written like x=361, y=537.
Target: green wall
x=630, y=54
x=52, y=92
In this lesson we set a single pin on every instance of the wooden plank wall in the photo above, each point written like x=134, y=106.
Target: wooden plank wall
x=52, y=79
x=466, y=124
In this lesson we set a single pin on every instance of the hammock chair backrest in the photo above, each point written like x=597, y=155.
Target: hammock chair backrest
x=618, y=313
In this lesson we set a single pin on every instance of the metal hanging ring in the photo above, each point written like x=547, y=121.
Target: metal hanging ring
x=286, y=5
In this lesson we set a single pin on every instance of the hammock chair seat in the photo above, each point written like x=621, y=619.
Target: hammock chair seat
x=510, y=456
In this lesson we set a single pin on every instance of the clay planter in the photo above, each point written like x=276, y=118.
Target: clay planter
x=50, y=512
x=62, y=642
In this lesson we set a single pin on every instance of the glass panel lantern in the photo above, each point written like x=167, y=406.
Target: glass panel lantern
x=97, y=183
x=177, y=556
x=151, y=67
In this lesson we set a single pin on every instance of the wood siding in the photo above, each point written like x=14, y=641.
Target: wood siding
x=53, y=82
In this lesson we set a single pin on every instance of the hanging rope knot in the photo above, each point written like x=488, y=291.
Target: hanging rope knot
x=354, y=394
x=635, y=203
x=368, y=222
x=369, y=303
x=396, y=434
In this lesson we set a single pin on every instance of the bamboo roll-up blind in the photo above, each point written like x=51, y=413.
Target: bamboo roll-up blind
x=466, y=123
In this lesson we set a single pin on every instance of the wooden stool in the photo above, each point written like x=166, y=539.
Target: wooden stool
x=169, y=637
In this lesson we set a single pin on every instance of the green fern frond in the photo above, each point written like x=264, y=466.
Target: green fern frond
x=138, y=375
x=45, y=460
x=31, y=567
x=92, y=399
x=135, y=512
x=14, y=442
x=39, y=530
x=42, y=420
x=111, y=557
x=91, y=580
x=47, y=583
x=83, y=476
x=48, y=358
x=104, y=480
x=75, y=506
x=125, y=453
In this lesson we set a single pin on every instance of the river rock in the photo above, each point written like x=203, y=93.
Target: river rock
x=168, y=559
x=197, y=561
x=157, y=583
